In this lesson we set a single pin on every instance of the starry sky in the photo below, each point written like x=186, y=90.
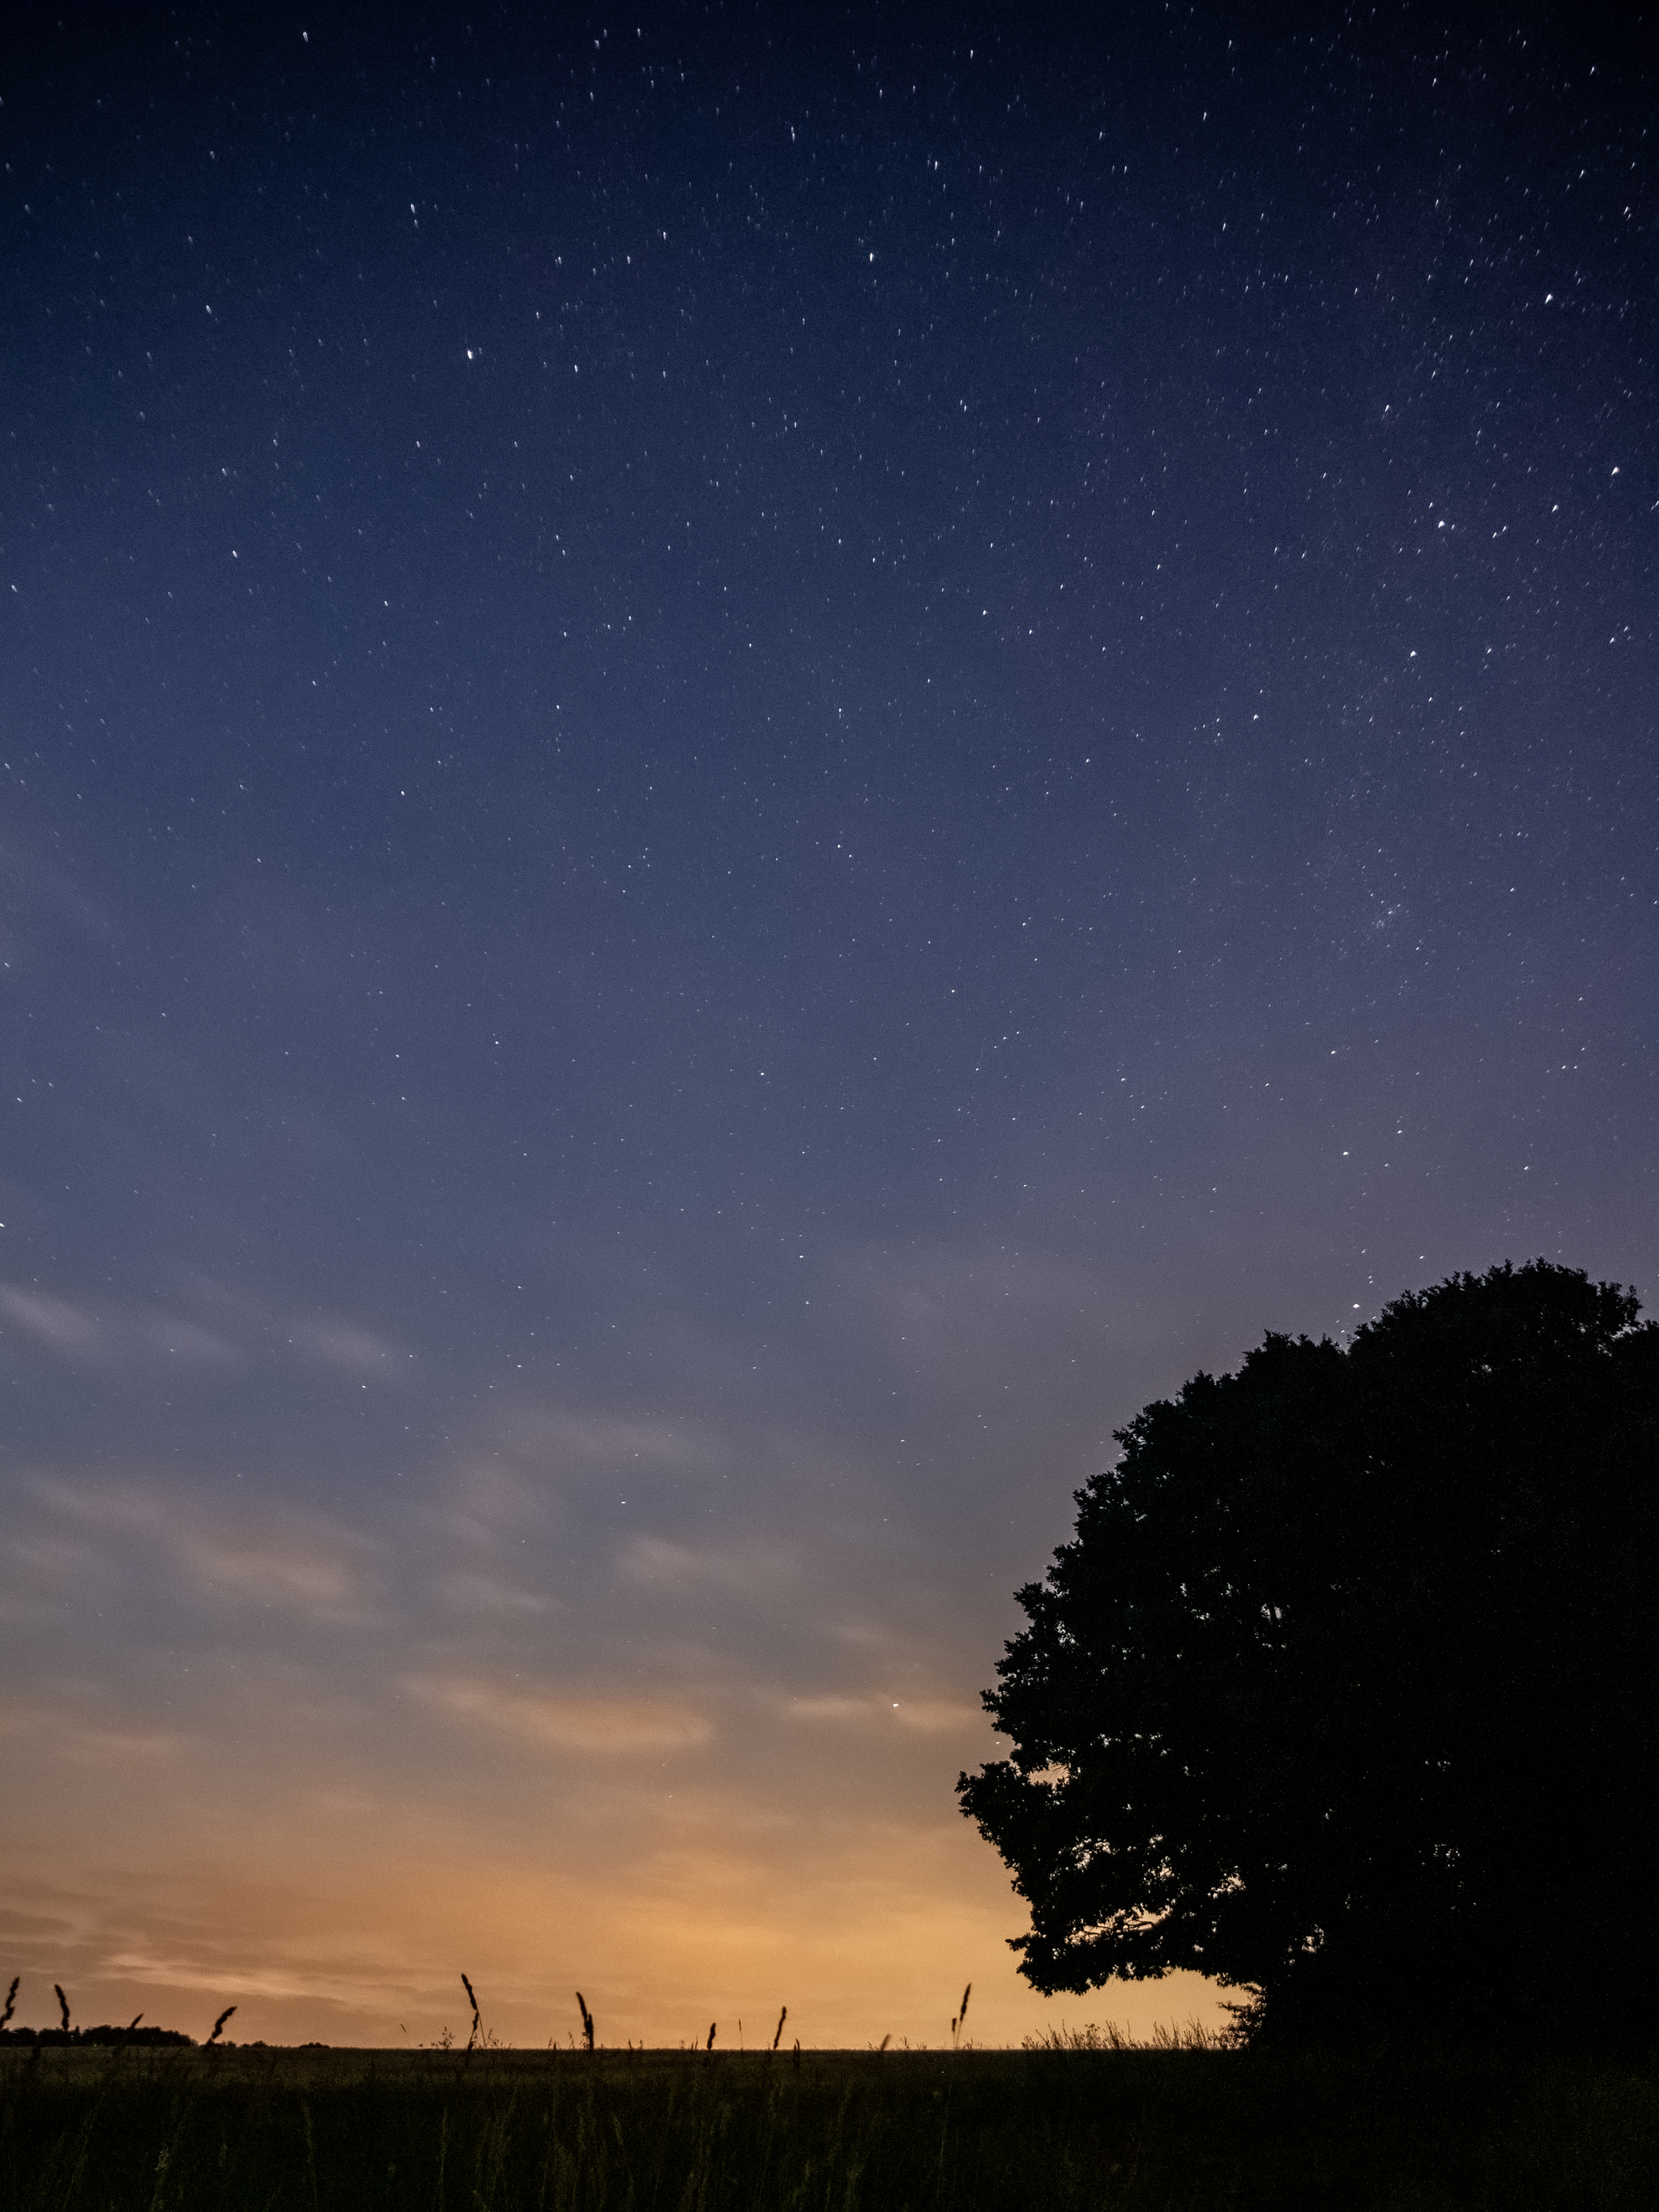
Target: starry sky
x=750, y=765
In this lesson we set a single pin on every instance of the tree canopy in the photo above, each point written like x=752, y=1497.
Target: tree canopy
x=1345, y=1691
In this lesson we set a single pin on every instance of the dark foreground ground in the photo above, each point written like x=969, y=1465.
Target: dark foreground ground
x=668, y=2131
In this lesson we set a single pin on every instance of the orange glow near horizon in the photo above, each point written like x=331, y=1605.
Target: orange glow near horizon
x=339, y=1908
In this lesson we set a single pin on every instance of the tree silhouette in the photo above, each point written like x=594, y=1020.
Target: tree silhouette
x=1347, y=1690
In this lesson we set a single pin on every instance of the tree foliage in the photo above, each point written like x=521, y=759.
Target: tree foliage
x=1345, y=1691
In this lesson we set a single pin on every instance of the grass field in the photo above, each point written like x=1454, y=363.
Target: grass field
x=672, y=2131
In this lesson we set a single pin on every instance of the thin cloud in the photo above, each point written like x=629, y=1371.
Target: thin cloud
x=171, y=1336
x=615, y=1726
x=563, y=1443
x=470, y=1592
x=69, y=1330
x=94, y=1741
x=292, y=1562
x=754, y=1569
x=288, y=1571
x=35, y=896
x=348, y=1349
x=950, y=1310
x=146, y=1336
x=829, y=1709
x=922, y=1715
x=156, y=1335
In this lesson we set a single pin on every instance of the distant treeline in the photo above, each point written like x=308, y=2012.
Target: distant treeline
x=94, y=2035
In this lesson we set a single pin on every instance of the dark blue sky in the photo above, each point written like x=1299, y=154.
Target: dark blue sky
x=748, y=769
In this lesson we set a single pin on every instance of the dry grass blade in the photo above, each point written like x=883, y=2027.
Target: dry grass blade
x=1164, y=2036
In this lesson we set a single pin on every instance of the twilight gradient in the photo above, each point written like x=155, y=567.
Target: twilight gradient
x=746, y=771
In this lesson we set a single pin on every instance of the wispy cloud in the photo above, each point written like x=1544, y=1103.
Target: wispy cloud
x=468, y=1591
x=295, y=1570
x=614, y=1726
x=571, y=1443
x=94, y=1739
x=291, y=1562
x=923, y=1715
x=87, y=1336
x=952, y=1310
x=70, y=1331
x=227, y=1332
x=527, y=1468
x=750, y=1567
x=37, y=899
x=349, y=1349
x=175, y=1337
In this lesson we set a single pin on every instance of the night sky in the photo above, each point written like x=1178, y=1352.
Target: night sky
x=753, y=762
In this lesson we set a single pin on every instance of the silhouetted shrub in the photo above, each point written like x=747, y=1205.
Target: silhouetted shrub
x=107, y=2035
